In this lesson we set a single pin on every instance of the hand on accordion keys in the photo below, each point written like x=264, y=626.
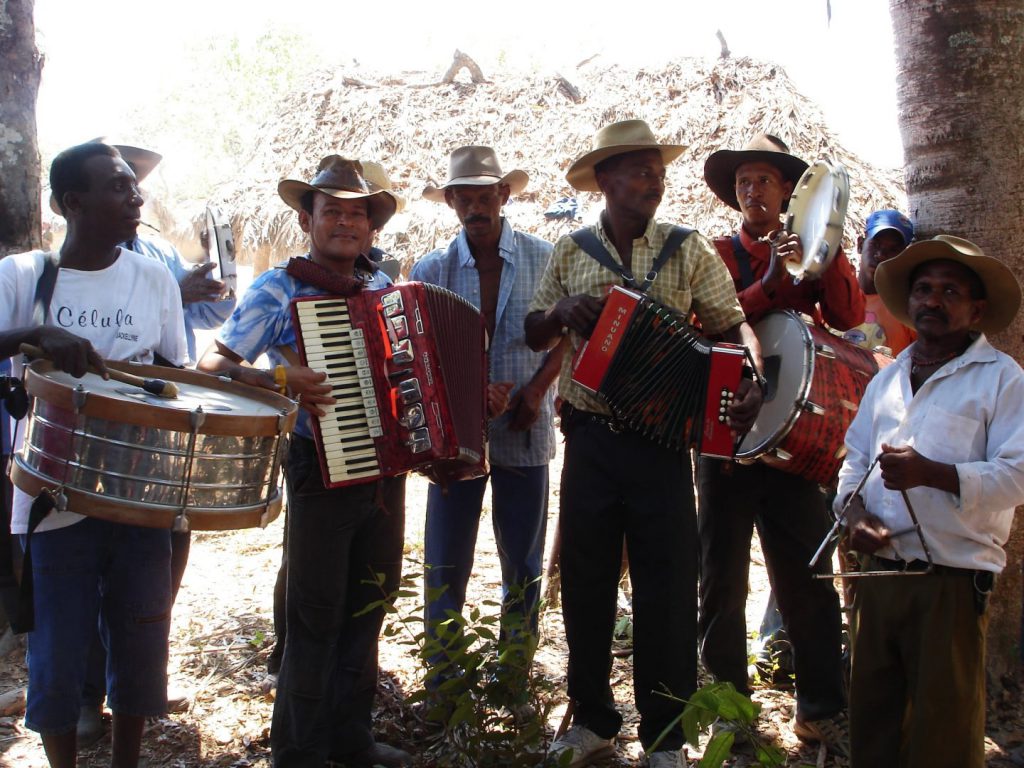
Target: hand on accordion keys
x=305, y=385
x=745, y=406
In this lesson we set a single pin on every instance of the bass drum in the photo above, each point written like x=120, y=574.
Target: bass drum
x=815, y=382
x=207, y=459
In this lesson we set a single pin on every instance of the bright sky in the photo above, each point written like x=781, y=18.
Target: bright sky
x=104, y=55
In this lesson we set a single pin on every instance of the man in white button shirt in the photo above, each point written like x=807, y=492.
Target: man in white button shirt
x=944, y=422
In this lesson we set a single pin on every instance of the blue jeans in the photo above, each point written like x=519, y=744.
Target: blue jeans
x=519, y=510
x=114, y=574
x=95, y=688
x=338, y=539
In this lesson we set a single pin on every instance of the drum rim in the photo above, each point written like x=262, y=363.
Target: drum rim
x=146, y=413
x=803, y=391
x=154, y=515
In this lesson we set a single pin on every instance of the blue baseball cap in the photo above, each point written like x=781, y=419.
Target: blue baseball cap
x=887, y=218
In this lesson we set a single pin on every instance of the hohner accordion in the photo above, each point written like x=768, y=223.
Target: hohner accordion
x=659, y=377
x=407, y=365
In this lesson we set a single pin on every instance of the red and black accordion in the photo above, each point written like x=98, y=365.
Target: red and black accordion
x=407, y=365
x=659, y=377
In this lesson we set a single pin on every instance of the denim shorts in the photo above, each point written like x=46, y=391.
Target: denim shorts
x=112, y=574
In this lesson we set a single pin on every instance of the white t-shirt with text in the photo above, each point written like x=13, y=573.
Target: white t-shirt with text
x=128, y=311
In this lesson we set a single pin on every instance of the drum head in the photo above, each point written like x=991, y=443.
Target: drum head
x=817, y=211
x=787, y=351
x=229, y=408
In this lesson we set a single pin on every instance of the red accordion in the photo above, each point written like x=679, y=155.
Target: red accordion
x=659, y=377
x=407, y=365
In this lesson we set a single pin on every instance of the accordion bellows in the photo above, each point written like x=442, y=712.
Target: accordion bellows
x=659, y=377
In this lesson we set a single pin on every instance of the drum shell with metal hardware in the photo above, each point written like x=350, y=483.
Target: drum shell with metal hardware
x=130, y=457
x=816, y=381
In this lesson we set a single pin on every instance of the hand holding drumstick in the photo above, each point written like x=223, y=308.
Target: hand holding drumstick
x=93, y=362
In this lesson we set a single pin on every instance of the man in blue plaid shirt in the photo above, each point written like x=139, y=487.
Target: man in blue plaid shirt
x=497, y=269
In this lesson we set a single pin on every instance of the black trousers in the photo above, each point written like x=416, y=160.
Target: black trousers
x=791, y=521
x=337, y=540
x=615, y=486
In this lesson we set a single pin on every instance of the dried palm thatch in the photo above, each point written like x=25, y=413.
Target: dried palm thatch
x=411, y=125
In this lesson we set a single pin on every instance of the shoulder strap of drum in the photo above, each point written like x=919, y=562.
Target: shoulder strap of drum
x=742, y=262
x=44, y=288
x=23, y=618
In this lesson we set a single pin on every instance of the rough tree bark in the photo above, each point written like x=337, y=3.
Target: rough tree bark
x=20, y=67
x=961, y=98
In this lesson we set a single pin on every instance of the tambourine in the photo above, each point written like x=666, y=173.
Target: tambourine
x=222, y=248
x=817, y=210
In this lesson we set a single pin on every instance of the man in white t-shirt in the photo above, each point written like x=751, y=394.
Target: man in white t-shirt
x=107, y=302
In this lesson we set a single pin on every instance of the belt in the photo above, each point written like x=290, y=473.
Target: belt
x=876, y=563
x=572, y=415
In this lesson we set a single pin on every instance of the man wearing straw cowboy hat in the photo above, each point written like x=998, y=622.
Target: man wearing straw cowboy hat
x=615, y=483
x=337, y=537
x=377, y=177
x=497, y=269
x=97, y=300
x=789, y=511
x=944, y=423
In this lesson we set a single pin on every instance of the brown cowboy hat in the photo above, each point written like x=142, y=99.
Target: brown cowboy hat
x=720, y=167
x=616, y=139
x=1002, y=291
x=342, y=178
x=476, y=166
x=375, y=174
x=142, y=161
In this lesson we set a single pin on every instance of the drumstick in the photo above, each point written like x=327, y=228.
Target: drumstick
x=158, y=387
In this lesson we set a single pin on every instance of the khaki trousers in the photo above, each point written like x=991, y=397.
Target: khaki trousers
x=917, y=692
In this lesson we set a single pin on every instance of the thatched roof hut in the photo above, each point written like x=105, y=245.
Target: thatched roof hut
x=537, y=123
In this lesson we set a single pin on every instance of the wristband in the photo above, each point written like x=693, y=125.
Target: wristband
x=281, y=379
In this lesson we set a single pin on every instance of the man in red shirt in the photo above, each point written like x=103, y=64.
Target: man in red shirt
x=789, y=511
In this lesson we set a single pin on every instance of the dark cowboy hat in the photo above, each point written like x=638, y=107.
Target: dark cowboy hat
x=1002, y=291
x=720, y=167
x=342, y=178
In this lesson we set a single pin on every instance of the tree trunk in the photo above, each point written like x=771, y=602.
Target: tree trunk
x=20, y=66
x=961, y=98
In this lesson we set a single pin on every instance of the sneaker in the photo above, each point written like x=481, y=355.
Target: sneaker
x=667, y=758
x=833, y=732
x=583, y=744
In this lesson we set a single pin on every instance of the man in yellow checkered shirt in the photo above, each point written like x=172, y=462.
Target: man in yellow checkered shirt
x=615, y=483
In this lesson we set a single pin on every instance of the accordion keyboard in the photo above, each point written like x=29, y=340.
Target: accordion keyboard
x=335, y=347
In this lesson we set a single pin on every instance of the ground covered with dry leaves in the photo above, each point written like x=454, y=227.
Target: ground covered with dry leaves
x=222, y=634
